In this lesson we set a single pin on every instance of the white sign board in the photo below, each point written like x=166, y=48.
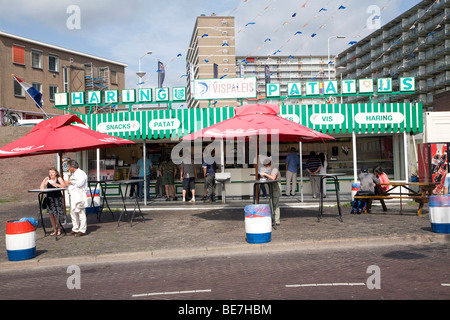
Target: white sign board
x=436, y=127
x=231, y=88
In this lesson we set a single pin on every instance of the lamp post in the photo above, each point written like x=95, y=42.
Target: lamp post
x=141, y=73
x=342, y=68
x=329, y=66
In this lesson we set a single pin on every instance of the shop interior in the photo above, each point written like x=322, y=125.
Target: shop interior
x=372, y=150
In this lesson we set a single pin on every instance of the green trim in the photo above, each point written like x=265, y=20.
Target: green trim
x=192, y=120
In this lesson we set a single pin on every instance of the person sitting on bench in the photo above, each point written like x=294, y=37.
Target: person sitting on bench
x=382, y=176
x=367, y=188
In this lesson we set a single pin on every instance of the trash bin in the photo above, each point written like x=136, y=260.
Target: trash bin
x=20, y=240
x=95, y=198
x=440, y=214
x=258, y=223
x=355, y=188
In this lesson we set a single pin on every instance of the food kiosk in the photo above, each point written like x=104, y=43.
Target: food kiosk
x=366, y=134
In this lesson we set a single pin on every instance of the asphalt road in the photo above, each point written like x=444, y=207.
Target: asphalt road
x=387, y=273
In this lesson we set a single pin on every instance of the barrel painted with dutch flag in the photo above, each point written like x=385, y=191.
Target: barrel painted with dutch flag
x=20, y=240
x=355, y=188
x=440, y=214
x=258, y=223
x=93, y=201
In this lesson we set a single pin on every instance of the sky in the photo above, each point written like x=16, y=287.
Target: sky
x=125, y=30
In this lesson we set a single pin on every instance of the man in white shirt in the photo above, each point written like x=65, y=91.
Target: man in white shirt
x=77, y=185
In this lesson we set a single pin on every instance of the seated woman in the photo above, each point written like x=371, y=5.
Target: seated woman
x=382, y=176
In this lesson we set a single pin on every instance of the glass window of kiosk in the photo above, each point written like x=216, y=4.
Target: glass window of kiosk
x=371, y=151
x=376, y=151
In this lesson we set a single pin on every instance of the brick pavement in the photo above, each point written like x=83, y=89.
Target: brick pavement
x=173, y=229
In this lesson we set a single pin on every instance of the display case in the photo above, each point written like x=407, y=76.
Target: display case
x=107, y=170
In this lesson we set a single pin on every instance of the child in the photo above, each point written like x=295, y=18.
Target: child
x=367, y=188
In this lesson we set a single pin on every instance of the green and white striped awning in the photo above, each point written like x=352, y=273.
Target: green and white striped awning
x=359, y=118
x=140, y=125
x=326, y=118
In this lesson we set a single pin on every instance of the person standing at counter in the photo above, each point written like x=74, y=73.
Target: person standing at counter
x=292, y=165
x=188, y=174
x=168, y=172
x=323, y=170
x=133, y=173
x=313, y=166
x=55, y=205
x=77, y=185
x=273, y=174
x=144, y=173
x=209, y=172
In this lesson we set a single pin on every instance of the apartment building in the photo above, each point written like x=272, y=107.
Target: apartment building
x=285, y=69
x=49, y=69
x=415, y=44
x=211, y=54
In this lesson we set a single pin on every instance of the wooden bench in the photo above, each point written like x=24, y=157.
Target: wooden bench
x=421, y=200
x=422, y=196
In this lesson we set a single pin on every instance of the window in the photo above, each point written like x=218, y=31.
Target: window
x=38, y=86
x=53, y=90
x=376, y=151
x=114, y=77
x=18, y=54
x=36, y=59
x=18, y=90
x=53, y=63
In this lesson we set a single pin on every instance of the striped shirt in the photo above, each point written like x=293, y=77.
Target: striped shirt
x=312, y=164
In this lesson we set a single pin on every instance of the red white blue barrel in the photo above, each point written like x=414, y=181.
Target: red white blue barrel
x=355, y=188
x=95, y=197
x=258, y=223
x=20, y=240
x=440, y=214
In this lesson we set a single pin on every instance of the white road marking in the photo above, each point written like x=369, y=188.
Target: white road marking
x=324, y=285
x=445, y=284
x=169, y=293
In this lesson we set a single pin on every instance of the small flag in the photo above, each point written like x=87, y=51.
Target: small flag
x=32, y=92
x=161, y=74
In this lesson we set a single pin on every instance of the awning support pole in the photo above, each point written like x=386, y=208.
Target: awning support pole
x=355, y=161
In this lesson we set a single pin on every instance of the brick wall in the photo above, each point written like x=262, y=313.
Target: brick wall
x=18, y=175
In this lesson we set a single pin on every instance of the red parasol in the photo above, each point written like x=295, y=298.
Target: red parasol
x=258, y=120
x=60, y=135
